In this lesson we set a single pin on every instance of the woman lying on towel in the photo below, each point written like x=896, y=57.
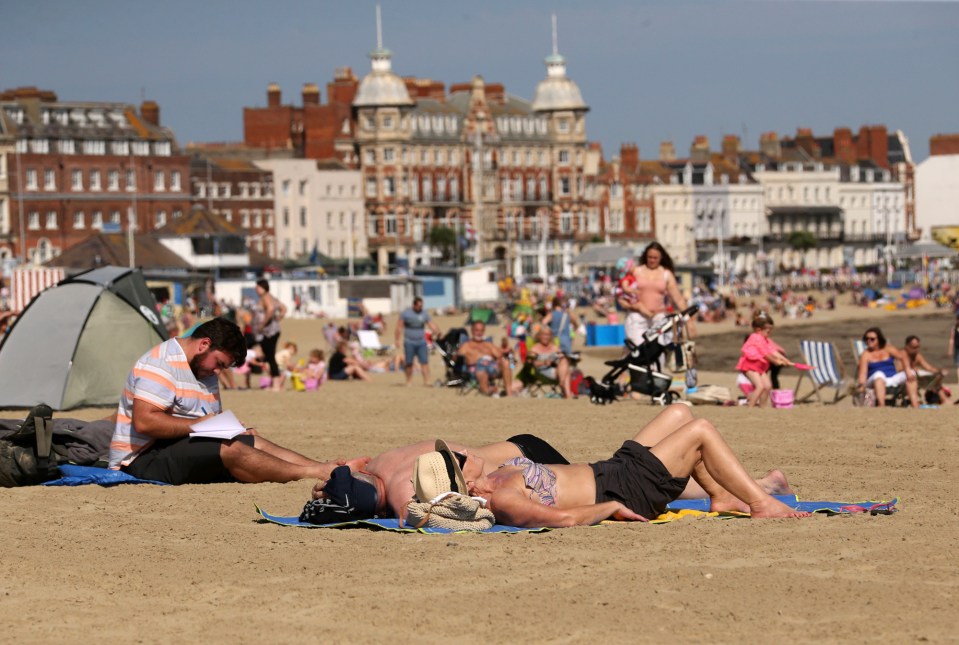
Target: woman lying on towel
x=637, y=483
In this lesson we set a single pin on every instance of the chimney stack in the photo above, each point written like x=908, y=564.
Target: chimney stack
x=150, y=112
x=769, y=145
x=629, y=156
x=731, y=146
x=667, y=151
x=842, y=143
x=273, y=95
x=699, y=151
x=311, y=94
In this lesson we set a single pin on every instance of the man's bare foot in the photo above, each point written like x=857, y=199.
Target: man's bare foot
x=727, y=502
x=774, y=483
x=769, y=507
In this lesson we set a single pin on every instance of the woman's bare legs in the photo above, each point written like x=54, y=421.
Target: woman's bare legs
x=698, y=445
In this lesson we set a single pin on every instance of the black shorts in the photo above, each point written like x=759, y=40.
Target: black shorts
x=188, y=460
x=638, y=479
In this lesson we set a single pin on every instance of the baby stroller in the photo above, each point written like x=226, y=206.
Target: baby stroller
x=455, y=365
x=644, y=362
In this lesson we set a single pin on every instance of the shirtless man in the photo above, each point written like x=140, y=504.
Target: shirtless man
x=485, y=361
x=386, y=482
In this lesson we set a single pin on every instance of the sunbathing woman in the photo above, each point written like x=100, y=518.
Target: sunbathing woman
x=635, y=484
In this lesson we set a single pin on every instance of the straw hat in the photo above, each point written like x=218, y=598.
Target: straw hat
x=438, y=472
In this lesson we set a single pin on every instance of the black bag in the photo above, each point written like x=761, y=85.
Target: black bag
x=27, y=456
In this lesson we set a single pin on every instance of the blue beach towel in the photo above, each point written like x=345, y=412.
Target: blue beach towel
x=876, y=507
x=81, y=475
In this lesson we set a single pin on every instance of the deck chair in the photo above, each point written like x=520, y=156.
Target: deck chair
x=827, y=371
x=536, y=382
x=370, y=342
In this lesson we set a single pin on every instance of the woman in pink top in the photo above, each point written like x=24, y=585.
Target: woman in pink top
x=652, y=286
x=758, y=352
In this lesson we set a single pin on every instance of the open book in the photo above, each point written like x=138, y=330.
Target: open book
x=222, y=426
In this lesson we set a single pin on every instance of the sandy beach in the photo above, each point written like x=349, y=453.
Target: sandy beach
x=162, y=564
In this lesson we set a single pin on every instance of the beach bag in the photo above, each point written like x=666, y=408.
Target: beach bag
x=266, y=382
x=710, y=394
x=864, y=399
x=312, y=384
x=576, y=382
x=450, y=511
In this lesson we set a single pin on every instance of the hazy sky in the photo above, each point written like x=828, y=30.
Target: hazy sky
x=649, y=69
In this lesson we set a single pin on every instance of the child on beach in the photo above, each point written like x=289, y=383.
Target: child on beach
x=315, y=370
x=758, y=352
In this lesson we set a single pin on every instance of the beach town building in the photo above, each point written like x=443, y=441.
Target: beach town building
x=318, y=206
x=240, y=191
x=507, y=174
x=937, y=191
x=78, y=168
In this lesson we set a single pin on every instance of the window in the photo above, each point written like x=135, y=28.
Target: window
x=543, y=192
x=120, y=148
x=564, y=186
x=342, y=220
x=371, y=186
x=51, y=222
x=162, y=148
x=94, y=180
x=415, y=188
x=268, y=219
x=40, y=146
x=286, y=216
x=113, y=180
x=175, y=180
x=115, y=217
x=441, y=188
x=33, y=221
x=427, y=188
x=94, y=147
x=67, y=147
x=159, y=181
x=329, y=219
x=388, y=186
x=31, y=179
x=97, y=220
x=564, y=156
x=285, y=187
x=79, y=220
x=76, y=179
x=301, y=189
x=131, y=180
x=227, y=214
x=454, y=188
x=245, y=218
x=257, y=219
x=562, y=125
x=439, y=156
x=530, y=188
x=388, y=154
x=387, y=122
x=371, y=225
x=140, y=148
x=390, y=224
x=566, y=222
x=160, y=219
x=369, y=156
x=303, y=216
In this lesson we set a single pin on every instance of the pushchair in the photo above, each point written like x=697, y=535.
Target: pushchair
x=455, y=366
x=644, y=363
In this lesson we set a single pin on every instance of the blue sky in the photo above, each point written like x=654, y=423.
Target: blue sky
x=649, y=69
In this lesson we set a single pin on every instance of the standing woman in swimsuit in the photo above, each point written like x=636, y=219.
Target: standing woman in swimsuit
x=877, y=368
x=653, y=285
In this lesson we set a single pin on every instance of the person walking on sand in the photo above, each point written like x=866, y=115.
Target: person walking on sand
x=411, y=328
x=653, y=285
x=266, y=328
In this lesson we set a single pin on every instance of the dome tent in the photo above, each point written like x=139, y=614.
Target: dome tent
x=75, y=343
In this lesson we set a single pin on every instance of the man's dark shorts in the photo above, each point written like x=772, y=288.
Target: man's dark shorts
x=637, y=478
x=189, y=460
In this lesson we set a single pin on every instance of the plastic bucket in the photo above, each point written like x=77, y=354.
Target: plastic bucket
x=781, y=398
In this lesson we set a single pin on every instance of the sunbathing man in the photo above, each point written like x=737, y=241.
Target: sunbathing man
x=635, y=484
x=384, y=486
x=485, y=361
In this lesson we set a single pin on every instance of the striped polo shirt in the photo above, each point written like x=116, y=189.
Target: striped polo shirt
x=162, y=377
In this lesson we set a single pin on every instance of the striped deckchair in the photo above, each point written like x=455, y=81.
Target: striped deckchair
x=827, y=371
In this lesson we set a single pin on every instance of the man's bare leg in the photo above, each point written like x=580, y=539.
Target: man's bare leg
x=698, y=441
x=252, y=465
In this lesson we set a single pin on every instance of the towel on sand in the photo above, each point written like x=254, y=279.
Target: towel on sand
x=677, y=509
x=72, y=475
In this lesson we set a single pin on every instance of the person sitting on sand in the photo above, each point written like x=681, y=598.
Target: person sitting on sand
x=344, y=367
x=485, y=361
x=877, y=368
x=636, y=483
x=384, y=486
x=172, y=387
x=758, y=353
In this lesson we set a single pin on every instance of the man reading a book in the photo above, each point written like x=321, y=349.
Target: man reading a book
x=171, y=388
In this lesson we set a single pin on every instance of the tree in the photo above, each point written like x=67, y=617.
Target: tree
x=802, y=241
x=444, y=239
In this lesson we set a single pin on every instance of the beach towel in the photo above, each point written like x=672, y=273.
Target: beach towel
x=677, y=509
x=72, y=475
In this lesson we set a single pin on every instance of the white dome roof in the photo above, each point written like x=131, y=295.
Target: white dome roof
x=556, y=91
x=381, y=86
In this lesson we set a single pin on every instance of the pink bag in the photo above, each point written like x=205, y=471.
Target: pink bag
x=266, y=382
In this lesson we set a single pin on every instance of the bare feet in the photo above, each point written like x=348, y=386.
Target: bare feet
x=726, y=501
x=769, y=507
x=774, y=483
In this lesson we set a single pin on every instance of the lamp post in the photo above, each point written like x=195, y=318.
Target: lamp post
x=722, y=252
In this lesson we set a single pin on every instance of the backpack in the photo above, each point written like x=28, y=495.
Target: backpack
x=576, y=382
x=27, y=456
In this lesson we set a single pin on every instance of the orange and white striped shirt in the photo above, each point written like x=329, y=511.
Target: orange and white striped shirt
x=161, y=377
